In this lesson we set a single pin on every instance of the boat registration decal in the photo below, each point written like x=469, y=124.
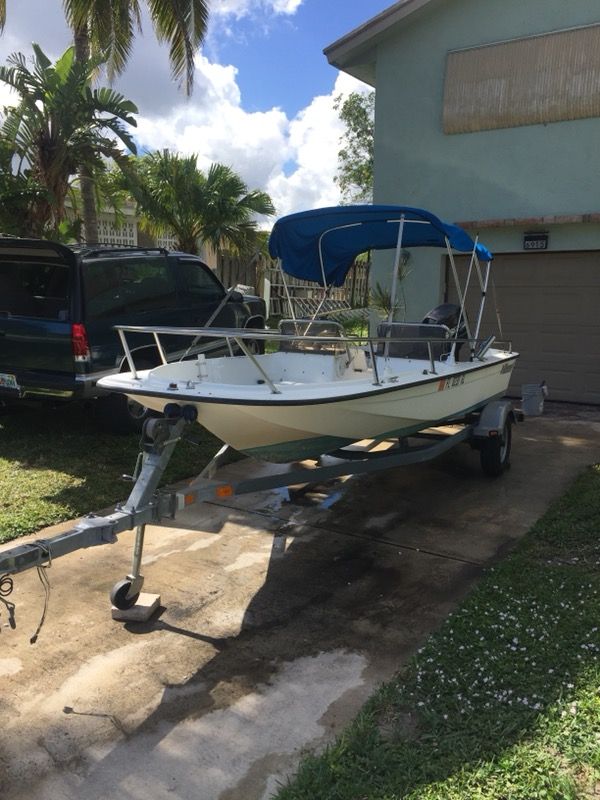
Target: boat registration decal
x=451, y=383
x=507, y=367
x=8, y=381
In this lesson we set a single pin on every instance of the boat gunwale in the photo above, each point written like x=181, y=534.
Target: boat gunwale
x=277, y=400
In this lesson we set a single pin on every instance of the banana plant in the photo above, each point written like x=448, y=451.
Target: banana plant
x=60, y=123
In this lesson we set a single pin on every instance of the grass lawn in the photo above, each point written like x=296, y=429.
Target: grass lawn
x=57, y=464
x=503, y=702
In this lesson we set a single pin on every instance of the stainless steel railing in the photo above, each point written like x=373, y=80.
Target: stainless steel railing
x=240, y=335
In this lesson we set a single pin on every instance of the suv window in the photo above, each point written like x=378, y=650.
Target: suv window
x=34, y=289
x=198, y=281
x=124, y=285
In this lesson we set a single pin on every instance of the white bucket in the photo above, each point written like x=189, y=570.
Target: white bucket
x=532, y=399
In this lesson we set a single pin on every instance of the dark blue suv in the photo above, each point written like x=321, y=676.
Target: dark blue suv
x=58, y=306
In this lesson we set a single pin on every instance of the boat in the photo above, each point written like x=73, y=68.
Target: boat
x=316, y=390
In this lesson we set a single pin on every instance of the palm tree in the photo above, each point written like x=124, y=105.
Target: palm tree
x=59, y=124
x=107, y=28
x=174, y=196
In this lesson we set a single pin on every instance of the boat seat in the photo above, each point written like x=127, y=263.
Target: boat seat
x=399, y=332
x=308, y=327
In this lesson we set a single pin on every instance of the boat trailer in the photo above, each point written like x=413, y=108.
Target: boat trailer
x=487, y=430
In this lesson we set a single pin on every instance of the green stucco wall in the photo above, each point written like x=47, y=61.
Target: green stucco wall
x=528, y=171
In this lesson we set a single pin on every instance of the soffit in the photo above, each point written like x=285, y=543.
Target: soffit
x=355, y=52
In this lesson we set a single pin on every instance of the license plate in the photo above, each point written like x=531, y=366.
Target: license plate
x=8, y=381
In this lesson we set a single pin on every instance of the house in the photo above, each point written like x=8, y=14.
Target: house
x=126, y=230
x=488, y=114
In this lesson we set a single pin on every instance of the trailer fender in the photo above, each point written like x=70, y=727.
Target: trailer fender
x=493, y=419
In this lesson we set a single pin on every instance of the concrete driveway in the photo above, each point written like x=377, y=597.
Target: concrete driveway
x=278, y=620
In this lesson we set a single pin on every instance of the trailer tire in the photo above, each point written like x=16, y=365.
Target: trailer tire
x=494, y=452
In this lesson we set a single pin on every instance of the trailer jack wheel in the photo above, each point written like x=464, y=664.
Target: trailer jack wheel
x=120, y=595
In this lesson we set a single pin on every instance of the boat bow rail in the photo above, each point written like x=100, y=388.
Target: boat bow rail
x=378, y=348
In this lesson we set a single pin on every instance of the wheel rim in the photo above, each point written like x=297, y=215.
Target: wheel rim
x=505, y=444
x=118, y=596
x=136, y=410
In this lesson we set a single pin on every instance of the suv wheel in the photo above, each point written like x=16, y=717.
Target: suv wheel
x=118, y=414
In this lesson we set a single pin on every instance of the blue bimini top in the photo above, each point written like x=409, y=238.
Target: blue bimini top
x=326, y=241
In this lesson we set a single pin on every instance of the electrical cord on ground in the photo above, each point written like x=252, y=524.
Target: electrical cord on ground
x=44, y=580
x=6, y=587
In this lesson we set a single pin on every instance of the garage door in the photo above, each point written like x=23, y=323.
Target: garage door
x=549, y=308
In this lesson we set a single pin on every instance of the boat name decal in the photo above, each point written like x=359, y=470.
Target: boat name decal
x=450, y=383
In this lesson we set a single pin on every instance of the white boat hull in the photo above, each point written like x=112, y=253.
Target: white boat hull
x=308, y=418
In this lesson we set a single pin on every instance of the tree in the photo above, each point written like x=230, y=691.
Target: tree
x=19, y=195
x=355, y=158
x=174, y=196
x=59, y=124
x=105, y=29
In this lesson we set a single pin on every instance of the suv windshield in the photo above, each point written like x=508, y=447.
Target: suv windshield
x=115, y=286
x=34, y=289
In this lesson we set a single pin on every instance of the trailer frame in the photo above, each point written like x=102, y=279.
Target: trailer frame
x=487, y=430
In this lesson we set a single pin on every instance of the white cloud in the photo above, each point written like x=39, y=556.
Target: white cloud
x=294, y=160
x=245, y=8
x=286, y=6
x=215, y=127
x=314, y=140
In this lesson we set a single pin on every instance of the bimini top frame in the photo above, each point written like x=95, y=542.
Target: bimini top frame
x=321, y=246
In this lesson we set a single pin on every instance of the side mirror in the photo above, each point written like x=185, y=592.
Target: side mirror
x=236, y=297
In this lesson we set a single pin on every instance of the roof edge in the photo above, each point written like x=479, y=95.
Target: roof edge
x=372, y=28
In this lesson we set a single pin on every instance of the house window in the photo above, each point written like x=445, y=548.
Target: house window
x=530, y=81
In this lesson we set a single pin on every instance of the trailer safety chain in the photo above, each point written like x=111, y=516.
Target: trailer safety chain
x=44, y=580
x=6, y=587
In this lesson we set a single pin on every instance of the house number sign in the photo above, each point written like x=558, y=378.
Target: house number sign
x=535, y=241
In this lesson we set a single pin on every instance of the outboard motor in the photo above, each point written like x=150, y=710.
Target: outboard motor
x=448, y=314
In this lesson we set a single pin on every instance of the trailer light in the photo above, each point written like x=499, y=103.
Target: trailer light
x=226, y=490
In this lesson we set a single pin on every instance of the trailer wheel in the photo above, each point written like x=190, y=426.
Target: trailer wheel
x=118, y=595
x=495, y=451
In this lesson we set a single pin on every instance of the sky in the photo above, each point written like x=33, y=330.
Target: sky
x=263, y=100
